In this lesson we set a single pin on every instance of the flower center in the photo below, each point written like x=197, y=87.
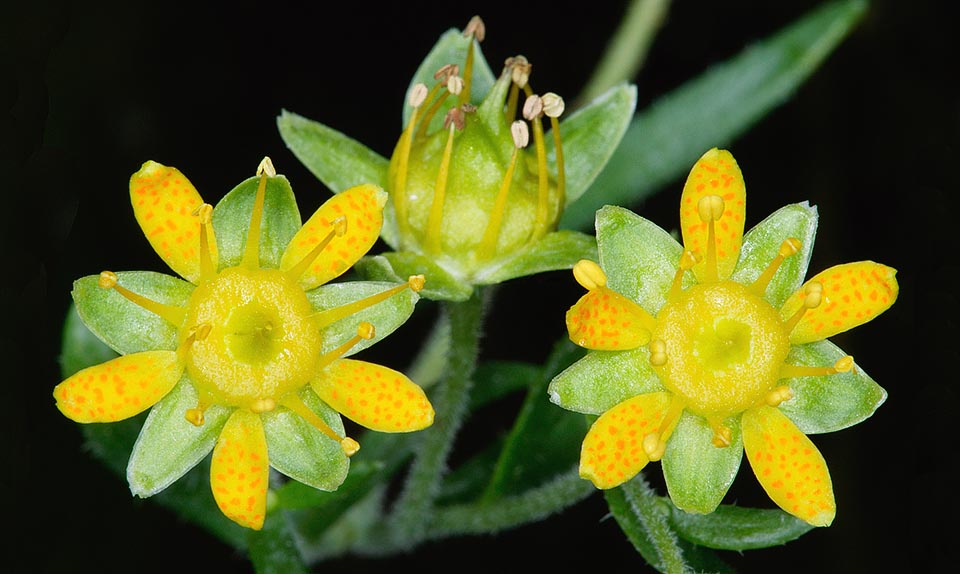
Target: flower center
x=723, y=346
x=254, y=338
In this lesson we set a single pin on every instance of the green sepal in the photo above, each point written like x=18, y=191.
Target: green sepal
x=604, y=379
x=280, y=222
x=451, y=48
x=168, y=445
x=397, y=266
x=761, y=244
x=554, y=251
x=639, y=258
x=79, y=348
x=698, y=474
x=385, y=316
x=123, y=325
x=337, y=160
x=737, y=528
x=829, y=403
x=299, y=450
x=590, y=136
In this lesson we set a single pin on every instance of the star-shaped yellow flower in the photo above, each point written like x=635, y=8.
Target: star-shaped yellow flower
x=704, y=351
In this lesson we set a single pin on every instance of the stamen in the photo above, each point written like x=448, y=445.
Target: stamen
x=722, y=435
x=519, y=70
x=207, y=267
x=687, y=260
x=655, y=443
x=658, y=352
x=779, y=395
x=475, y=29
x=488, y=244
x=843, y=365
x=296, y=404
x=443, y=76
x=710, y=208
x=195, y=416
x=532, y=110
x=329, y=316
x=364, y=331
x=589, y=275
x=553, y=107
x=263, y=405
x=789, y=247
x=338, y=228
x=453, y=121
x=418, y=95
x=169, y=313
x=251, y=253
x=814, y=295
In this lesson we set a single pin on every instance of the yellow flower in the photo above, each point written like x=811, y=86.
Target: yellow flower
x=712, y=349
x=250, y=343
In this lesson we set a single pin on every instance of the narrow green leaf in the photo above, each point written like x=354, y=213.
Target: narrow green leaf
x=125, y=326
x=273, y=549
x=760, y=246
x=590, y=136
x=831, y=402
x=280, y=222
x=337, y=160
x=604, y=379
x=557, y=250
x=737, y=528
x=399, y=265
x=697, y=473
x=632, y=527
x=385, y=316
x=79, y=348
x=168, y=446
x=664, y=140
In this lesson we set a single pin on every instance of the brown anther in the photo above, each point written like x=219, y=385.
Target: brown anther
x=476, y=28
x=553, y=105
x=418, y=94
x=446, y=71
x=520, y=133
x=520, y=70
x=468, y=108
x=456, y=116
x=532, y=108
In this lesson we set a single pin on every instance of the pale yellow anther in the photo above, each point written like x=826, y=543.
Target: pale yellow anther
x=653, y=446
x=789, y=247
x=658, y=352
x=520, y=70
x=340, y=226
x=532, y=107
x=445, y=72
x=553, y=105
x=456, y=117
x=689, y=259
x=520, y=133
x=194, y=416
x=710, y=208
x=108, y=280
x=418, y=94
x=455, y=85
x=416, y=282
x=349, y=446
x=476, y=28
x=266, y=167
x=722, y=436
x=814, y=295
x=843, y=364
x=589, y=275
x=779, y=395
x=204, y=212
x=263, y=405
x=365, y=330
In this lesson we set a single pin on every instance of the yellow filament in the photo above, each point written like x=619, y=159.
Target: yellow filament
x=655, y=443
x=787, y=248
x=710, y=209
x=687, y=260
x=464, y=97
x=432, y=110
x=843, y=365
x=814, y=295
x=207, y=271
x=296, y=404
x=490, y=236
x=543, y=183
x=439, y=192
x=329, y=316
x=364, y=331
x=169, y=313
x=251, y=253
x=558, y=147
x=337, y=229
x=512, y=102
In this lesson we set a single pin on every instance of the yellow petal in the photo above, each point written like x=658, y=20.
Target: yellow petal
x=604, y=320
x=119, y=388
x=362, y=210
x=612, y=452
x=374, y=396
x=239, y=470
x=853, y=293
x=165, y=204
x=715, y=173
x=788, y=465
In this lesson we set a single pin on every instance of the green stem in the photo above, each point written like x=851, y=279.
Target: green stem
x=646, y=506
x=628, y=48
x=412, y=513
x=428, y=366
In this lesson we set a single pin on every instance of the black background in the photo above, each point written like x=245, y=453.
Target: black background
x=92, y=90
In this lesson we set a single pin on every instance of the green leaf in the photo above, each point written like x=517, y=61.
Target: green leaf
x=273, y=549
x=557, y=250
x=632, y=527
x=385, y=316
x=79, y=348
x=604, y=379
x=123, y=325
x=280, y=222
x=639, y=258
x=830, y=402
x=299, y=450
x=665, y=140
x=590, y=136
x=168, y=446
x=761, y=244
x=451, y=48
x=737, y=528
x=697, y=473
x=398, y=266
x=337, y=160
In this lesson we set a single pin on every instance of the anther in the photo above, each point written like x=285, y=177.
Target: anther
x=842, y=365
x=366, y=331
x=520, y=133
x=251, y=252
x=169, y=313
x=654, y=447
x=589, y=275
x=266, y=167
x=520, y=70
x=790, y=246
x=330, y=316
x=710, y=209
x=445, y=71
x=195, y=416
x=416, y=282
x=264, y=405
x=687, y=260
x=338, y=228
x=455, y=85
x=350, y=447
x=813, y=296
x=553, y=105
x=205, y=213
x=108, y=280
x=532, y=107
x=296, y=404
x=779, y=395
x=476, y=28
x=658, y=352
x=478, y=31
x=418, y=94
x=722, y=436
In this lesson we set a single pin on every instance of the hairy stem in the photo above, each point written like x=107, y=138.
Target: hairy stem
x=645, y=505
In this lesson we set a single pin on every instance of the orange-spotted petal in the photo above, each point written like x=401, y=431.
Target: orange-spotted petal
x=165, y=204
x=119, y=388
x=788, y=465
x=239, y=470
x=605, y=320
x=374, y=396
x=715, y=173
x=355, y=216
x=853, y=293
x=613, y=450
